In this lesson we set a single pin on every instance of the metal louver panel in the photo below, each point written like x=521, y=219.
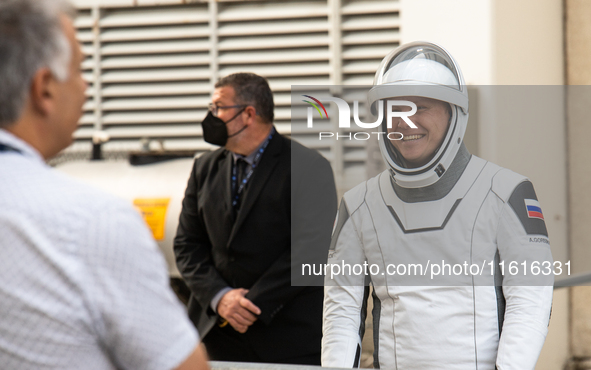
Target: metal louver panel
x=152, y=64
x=85, y=35
x=262, y=10
x=370, y=29
x=277, y=27
x=287, y=42
x=154, y=16
x=154, y=69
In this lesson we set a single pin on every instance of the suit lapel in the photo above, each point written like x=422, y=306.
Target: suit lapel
x=219, y=192
x=261, y=175
x=227, y=184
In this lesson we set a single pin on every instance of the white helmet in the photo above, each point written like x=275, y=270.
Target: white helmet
x=427, y=70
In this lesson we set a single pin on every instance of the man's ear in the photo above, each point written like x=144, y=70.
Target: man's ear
x=43, y=91
x=251, y=112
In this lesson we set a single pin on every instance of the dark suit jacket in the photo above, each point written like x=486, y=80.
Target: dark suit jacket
x=214, y=250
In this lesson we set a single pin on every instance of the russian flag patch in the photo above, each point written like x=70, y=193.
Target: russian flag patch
x=533, y=209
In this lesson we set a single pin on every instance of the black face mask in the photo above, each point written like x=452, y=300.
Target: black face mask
x=215, y=131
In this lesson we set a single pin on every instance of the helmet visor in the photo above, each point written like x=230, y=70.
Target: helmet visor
x=422, y=65
x=419, y=70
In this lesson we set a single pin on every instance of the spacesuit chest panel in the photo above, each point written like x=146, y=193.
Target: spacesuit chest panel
x=432, y=215
x=427, y=232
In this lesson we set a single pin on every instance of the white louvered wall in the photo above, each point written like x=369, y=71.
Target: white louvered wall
x=151, y=68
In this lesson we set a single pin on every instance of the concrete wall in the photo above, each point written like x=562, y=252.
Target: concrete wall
x=528, y=50
x=463, y=27
x=528, y=42
x=578, y=72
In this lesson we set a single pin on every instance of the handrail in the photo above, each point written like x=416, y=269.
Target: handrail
x=574, y=280
x=224, y=365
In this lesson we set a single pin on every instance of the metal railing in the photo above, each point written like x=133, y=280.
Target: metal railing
x=574, y=280
x=223, y=365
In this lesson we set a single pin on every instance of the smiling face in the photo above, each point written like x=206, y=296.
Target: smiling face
x=420, y=144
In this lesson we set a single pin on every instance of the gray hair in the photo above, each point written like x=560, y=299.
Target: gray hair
x=31, y=37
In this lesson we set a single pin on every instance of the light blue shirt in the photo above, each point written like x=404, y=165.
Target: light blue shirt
x=84, y=285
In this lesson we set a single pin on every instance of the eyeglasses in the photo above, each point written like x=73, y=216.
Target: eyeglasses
x=214, y=108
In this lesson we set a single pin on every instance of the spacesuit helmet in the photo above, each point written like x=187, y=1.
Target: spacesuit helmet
x=425, y=70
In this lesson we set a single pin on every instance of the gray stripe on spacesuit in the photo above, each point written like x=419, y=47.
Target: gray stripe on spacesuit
x=451, y=211
x=499, y=292
x=342, y=218
x=357, y=357
x=375, y=313
x=363, y=316
x=442, y=187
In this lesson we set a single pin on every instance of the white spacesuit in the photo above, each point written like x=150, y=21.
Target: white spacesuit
x=453, y=209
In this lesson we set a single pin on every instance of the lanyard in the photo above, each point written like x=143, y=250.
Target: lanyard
x=245, y=180
x=6, y=148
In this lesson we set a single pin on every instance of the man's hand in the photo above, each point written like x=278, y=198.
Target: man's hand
x=237, y=310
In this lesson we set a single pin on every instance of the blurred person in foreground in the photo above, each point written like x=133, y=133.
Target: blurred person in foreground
x=250, y=209
x=83, y=283
x=436, y=204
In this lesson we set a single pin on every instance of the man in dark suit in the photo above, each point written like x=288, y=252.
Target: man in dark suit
x=247, y=206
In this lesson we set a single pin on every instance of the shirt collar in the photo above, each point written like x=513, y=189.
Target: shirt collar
x=22, y=146
x=250, y=158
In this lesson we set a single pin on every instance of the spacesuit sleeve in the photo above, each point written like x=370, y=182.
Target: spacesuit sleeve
x=527, y=290
x=345, y=296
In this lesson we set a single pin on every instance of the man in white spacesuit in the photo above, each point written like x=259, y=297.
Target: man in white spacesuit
x=441, y=208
